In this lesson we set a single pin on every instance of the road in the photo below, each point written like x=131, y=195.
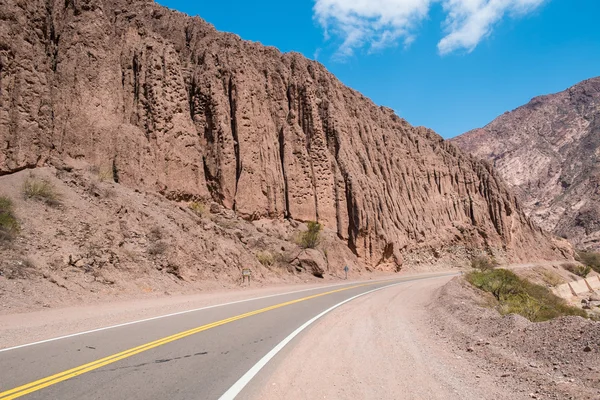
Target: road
x=210, y=353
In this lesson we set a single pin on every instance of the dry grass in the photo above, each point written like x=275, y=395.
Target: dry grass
x=579, y=270
x=484, y=263
x=41, y=190
x=551, y=278
x=198, y=208
x=157, y=248
x=9, y=226
x=590, y=259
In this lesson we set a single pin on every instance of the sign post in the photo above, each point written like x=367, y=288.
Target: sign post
x=346, y=269
x=246, y=273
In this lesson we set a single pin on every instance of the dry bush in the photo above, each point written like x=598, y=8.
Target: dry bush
x=579, y=270
x=157, y=248
x=18, y=269
x=265, y=258
x=484, y=263
x=198, y=208
x=41, y=190
x=590, y=259
x=9, y=226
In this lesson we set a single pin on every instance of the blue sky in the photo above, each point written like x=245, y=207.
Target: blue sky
x=450, y=65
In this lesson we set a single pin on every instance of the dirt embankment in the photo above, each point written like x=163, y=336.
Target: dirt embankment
x=84, y=238
x=557, y=359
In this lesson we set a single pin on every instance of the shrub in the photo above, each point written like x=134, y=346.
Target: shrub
x=590, y=259
x=484, y=263
x=265, y=258
x=105, y=175
x=519, y=296
x=312, y=237
x=41, y=190
x=9, y=226
x=157, y=248
x=579, y=270
x=198, y=208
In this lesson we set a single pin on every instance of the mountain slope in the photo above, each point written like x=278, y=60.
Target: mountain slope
x=171, y=105
x=549, y=151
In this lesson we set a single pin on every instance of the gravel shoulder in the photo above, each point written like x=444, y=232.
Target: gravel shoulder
x=380, y=346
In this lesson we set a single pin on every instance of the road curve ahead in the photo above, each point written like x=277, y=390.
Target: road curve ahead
x=206, y=354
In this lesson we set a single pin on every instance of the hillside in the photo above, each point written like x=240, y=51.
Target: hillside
x=549, y=151
x=169, y=106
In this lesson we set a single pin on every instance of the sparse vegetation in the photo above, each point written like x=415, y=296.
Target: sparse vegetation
x=269, y=259
x=590, y=259
x=105, y=174
x=157, y=248
x=519, y=296
x=198, y=208
x=41, y=190
x=552, y=278
x=311, y=238
x=579, y=270
x=484, y=263
x=9, y=226
x=18, y=269
x=266, y=258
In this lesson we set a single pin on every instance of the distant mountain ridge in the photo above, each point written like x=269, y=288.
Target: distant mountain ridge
x=549, y=151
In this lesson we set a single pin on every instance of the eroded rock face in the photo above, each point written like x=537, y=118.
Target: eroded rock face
x=170, y=104
x=549, y=151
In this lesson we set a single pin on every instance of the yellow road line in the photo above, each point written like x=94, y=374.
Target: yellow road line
x=82, y=369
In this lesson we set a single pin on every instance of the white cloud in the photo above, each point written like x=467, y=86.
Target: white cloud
x=375, y=24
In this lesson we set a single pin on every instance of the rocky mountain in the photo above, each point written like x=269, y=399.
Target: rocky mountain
x=549, y=151
x=170, y=105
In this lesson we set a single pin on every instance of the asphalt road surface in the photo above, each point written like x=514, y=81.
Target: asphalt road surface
x=212, y=353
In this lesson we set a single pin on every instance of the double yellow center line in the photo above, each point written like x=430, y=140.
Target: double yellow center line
x=82, y=369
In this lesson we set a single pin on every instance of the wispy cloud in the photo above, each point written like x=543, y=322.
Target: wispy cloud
x=375, y=24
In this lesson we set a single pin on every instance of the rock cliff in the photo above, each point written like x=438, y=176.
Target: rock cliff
x=171, y=105
x=549, y=151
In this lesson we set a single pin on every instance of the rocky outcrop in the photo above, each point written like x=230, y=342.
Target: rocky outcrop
x=549, y=151
x=169, y=104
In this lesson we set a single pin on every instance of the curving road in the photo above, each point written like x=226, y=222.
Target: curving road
x=211, y=353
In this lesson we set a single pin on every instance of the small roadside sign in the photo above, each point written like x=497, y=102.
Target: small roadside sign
x=346, y=269
x=246, y=273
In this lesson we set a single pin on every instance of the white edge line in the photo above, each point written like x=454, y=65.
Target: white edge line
x=237, y=387
x=170, y=315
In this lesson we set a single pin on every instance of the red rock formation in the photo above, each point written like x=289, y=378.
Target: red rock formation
x=173, y=105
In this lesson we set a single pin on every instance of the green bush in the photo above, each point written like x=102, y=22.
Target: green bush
x=9, y=226
x=590, y=259
x=519, y=296
x=312, y=237
x=41, y=190
x=484, y=263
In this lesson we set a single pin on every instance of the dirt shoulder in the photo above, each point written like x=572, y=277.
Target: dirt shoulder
x=557, y=359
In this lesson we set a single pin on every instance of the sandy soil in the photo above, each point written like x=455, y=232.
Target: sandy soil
x=381, y=346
